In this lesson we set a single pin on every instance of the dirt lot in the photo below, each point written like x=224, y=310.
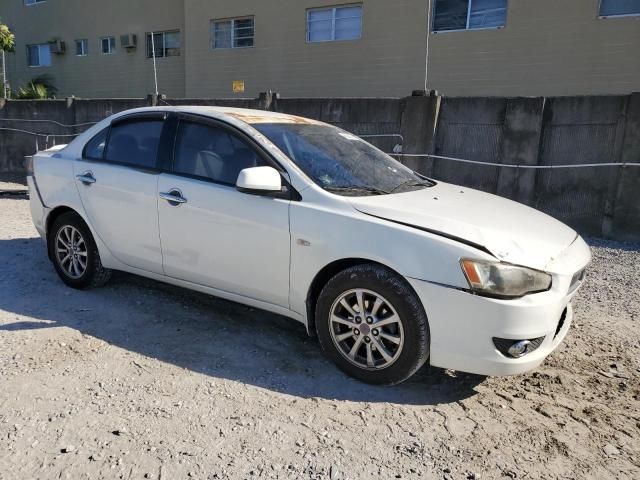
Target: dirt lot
x=143, y=380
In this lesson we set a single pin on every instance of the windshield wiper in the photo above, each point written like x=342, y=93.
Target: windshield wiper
x=412, y=183
x=355, y=188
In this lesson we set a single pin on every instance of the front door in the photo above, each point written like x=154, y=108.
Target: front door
x=117, y=179
x=214, y=235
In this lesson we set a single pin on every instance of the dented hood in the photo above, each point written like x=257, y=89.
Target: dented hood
x=510, y=231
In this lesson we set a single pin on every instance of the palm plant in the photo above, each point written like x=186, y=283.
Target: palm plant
x=38, y=88
x=7, y=44
x=7, y=39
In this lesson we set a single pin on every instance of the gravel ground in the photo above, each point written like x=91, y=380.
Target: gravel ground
x=145, y=380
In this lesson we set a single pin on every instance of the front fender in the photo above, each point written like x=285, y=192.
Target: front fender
x=323, y=235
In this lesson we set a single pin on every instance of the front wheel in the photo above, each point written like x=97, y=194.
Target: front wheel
x=372, y=325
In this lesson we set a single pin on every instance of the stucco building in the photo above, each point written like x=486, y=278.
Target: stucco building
x=317, y=48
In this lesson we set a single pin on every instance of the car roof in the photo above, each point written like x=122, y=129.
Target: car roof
x=245, y=115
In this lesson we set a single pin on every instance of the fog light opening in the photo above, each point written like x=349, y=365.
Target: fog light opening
x=519, y=349
x=515, y=348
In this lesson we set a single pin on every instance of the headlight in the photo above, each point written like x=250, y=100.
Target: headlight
x=502, y=279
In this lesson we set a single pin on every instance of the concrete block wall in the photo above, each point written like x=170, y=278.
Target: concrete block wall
x=597, y=201
x=14, y=145
x=362, y=116
x=625, y=218
x=602, y=201
x=19, y=115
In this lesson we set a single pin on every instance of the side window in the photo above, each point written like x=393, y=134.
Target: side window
x=94, y=149
x=213, y=153
x=135, y=142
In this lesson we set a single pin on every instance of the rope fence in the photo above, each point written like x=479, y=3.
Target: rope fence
x=36, y=134
x=518, y=166
x=394, y=154
x=27, y=120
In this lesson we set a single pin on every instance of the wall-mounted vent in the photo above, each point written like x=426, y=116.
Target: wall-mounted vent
x=129, y=41
x=57, y=46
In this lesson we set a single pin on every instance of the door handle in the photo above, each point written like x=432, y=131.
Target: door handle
x=87, y=178
x=173, y=196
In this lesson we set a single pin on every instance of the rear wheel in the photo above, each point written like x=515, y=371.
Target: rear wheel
x=74, y=253
x=372, y=325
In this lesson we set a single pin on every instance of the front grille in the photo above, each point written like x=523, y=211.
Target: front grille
x=563, y=317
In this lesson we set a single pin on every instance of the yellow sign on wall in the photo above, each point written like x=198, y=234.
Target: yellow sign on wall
x=238, y=86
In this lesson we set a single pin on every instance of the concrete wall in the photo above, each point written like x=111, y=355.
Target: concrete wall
x=121, y=74
x=601, y=201
x=363, y=116
x=547, y=48
x=14, y=146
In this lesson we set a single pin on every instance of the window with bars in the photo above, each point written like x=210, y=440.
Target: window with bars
x=82, y=47
x=619, y=8
x=233, y=33
x=469, y=14
x=334, y=23
x=39, y=55
x=166, y=44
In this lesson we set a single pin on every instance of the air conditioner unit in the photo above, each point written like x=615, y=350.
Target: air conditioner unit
x=129, y=41
x=57, y=46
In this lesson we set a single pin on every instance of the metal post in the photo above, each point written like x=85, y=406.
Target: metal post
x=426, y=58
x=153, y=54
x=4, y=75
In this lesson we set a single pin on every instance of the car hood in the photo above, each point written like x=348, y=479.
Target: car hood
x=510, y=231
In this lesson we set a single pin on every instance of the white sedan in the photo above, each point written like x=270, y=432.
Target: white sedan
x=389, y=268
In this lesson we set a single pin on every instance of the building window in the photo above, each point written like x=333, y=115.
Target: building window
x=233, y=33
x=469, y=14
x=335, y=23
x=619, y=8
x=108, y=45
x=166, y=44
x=39, y=55
x=82, y=47
x=33, y=2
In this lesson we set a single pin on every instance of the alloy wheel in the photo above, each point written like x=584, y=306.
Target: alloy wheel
x=71, y=251
x=366, y=329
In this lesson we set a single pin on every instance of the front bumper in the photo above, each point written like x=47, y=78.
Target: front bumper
x=462, y=325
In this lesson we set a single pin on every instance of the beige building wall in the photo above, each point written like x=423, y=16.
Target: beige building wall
x=121, y=74
x=547, y=48
x=387, y=61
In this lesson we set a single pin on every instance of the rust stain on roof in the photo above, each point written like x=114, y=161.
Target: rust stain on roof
x=253, y=118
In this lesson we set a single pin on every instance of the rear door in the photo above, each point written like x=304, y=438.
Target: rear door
x=117, y=178
x=217, y=236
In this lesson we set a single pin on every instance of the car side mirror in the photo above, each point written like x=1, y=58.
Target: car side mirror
x=259, y=180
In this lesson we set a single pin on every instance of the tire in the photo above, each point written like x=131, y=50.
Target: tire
x=93, y=274
x=405, y=342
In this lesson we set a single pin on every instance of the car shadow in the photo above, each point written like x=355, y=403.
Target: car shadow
x=14, y=195
x=198, y=332
x=14, y=178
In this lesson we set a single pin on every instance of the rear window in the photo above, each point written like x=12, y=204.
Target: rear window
x=135, y=142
